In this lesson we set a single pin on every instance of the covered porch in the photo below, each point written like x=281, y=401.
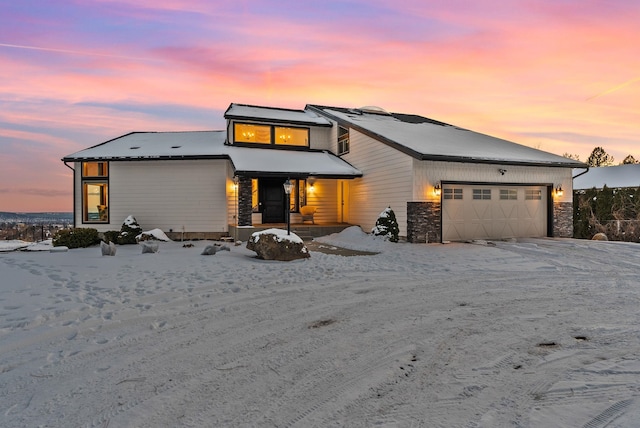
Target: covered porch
x=273, y=188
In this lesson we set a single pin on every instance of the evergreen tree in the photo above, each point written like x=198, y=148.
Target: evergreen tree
x=387, y=225
x=629, y=160
x=129, y=230
x=599, y=157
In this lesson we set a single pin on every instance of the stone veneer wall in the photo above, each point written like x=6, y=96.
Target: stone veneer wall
x=244, y=201
x=424, y=222
x=563, y=219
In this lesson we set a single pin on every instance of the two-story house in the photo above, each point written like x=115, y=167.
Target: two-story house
x=444, y=183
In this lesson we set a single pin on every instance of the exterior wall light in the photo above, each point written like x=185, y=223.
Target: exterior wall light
x=437, y=190
x=311, y=182
x=559, y=191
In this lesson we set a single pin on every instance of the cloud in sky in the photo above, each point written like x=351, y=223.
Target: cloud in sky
x=559, y=75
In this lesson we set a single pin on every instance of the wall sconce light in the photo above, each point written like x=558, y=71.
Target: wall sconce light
x=437, y=190
x=310, y=182
x=559, y=191
x=502, y=171
x=235, y=183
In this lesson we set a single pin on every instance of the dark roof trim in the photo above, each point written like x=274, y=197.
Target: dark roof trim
x=459, y=159
x=422, y=156
x=265, y=174
x=143, y=158
x=253, y=119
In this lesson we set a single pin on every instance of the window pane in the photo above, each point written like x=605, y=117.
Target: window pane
x=292, y=136
x=343, y=140
x=531, y=194
x=508, y=194
x=483, y=194
x=95, y=169
x=255, y=200
x=95, y=207
x=246, y=133
x=452, y=193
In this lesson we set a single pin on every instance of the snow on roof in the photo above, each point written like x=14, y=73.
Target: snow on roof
x=155, y=145
x=611, y=176
x=211, y=145
x=281, y=115
x=248, y=160
x=428, y=139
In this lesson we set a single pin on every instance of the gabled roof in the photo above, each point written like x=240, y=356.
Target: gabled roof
x=140, y=146
x=275, y=115
x=611, y=176
x=428, y=139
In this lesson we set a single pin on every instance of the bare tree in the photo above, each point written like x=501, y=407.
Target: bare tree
x=629, y=160
x=570, y=156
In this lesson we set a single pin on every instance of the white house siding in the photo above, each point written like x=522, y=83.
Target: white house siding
x=428, y=173
x=323, y=197
x=320, y=138
x=176, y=195
x=387, y=181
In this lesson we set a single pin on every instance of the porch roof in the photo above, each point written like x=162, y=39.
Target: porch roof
x=269, y=162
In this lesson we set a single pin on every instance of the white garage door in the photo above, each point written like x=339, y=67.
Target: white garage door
x=493, y=212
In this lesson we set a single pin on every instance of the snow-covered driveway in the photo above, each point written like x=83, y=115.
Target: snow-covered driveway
x=540, y=333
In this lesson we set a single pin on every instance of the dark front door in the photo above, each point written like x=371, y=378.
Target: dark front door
x=273, y=200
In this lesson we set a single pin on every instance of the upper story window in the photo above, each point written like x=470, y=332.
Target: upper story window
x=246, y=133
x=95, y=169
x=270, y=134
x=343, y=140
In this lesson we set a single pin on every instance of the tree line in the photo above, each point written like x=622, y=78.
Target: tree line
x=599, y=157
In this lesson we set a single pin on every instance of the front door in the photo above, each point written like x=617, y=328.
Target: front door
x=272, y=198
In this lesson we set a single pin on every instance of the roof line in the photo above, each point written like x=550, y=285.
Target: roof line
x=423, y=156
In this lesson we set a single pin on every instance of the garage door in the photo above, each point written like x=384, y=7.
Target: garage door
x=493, y=212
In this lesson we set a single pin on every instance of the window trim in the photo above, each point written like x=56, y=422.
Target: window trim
x=272, y=135
x=102, y=180
x=346, y=141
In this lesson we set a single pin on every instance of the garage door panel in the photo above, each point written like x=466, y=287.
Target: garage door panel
x=493, y=212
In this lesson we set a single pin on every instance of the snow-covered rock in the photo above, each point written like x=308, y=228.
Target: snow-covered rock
x=277, y=244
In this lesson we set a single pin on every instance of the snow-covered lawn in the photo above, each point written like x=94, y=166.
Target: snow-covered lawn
x=536, y=333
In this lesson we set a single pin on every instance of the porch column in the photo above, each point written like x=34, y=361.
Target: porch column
x=244, y=201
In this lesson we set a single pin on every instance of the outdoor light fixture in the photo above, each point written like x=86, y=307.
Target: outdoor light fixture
x=502, y=171
x=559, y=191
x=310, y=182
x=437, y=190
x=288, y=185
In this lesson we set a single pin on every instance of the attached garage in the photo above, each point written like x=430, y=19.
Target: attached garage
x=481, y=211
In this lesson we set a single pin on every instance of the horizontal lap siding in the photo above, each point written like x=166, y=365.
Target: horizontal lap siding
x=387, y=181
x=170, y=194
x=324, y=197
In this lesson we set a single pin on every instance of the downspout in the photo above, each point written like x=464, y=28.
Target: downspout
x=582, y=173
x=74, y=192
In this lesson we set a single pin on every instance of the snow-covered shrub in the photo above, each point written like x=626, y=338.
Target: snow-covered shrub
x=76, y=238
x=129, y=230
x=387, y=225
x=110, y=236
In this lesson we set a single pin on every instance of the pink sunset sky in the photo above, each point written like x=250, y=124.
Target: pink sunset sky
x=562, y=76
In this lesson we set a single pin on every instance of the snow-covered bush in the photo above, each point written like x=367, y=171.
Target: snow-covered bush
x=387, y=225
x=129, y=230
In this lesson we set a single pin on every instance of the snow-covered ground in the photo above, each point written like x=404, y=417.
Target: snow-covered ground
x=535, y=333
